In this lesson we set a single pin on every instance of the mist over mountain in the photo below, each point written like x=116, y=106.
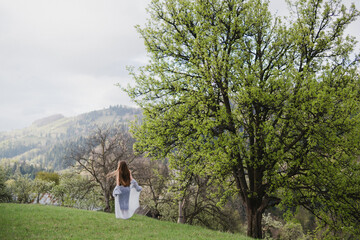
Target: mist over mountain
x=47, y=120
x=45, y=142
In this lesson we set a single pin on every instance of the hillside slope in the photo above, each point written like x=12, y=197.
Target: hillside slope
x=19, y=221
x=44, y=142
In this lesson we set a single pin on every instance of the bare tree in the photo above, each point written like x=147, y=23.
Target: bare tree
x=155, y=178
x=187, y=201
x=99, y=155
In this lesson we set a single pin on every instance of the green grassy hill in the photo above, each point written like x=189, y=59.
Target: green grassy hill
x=20, y=221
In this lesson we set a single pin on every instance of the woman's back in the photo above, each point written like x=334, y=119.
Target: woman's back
x=126, y=199
x=126, y=192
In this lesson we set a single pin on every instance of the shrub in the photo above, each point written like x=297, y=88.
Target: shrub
x=5, y=195
x=291, y=231
x=48, y=176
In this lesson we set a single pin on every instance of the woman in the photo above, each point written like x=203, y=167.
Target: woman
x=126, y=192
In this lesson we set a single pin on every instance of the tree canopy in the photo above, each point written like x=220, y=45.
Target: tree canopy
x=269, y=109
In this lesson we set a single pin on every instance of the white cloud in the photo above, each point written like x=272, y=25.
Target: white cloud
x=65, y=56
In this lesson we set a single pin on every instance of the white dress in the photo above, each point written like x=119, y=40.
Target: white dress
x=126, y=200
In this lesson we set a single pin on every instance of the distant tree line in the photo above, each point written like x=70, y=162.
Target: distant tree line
x=22, y=168
x=67, y=189
x=11, y=149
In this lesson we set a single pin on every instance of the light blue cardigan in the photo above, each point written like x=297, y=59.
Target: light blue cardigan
x=126, y=199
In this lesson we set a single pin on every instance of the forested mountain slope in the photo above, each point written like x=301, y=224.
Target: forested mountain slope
x=44, y=143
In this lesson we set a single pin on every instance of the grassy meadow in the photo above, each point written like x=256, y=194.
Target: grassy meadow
x=32, y=221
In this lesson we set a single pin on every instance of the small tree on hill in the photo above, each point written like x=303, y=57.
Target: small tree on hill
x=21, y=187
x=44, y=182
x=75, y=190
x=41, y=186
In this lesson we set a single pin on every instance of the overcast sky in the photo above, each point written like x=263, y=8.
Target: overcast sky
x=65, y=56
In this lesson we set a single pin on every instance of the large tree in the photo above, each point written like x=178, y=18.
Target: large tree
x=269, y=109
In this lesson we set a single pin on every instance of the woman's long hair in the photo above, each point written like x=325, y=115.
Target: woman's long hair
x=122, y=174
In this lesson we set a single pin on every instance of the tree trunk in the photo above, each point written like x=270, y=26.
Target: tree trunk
x=107, y=202
x=181, y=218
x=254, y=217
